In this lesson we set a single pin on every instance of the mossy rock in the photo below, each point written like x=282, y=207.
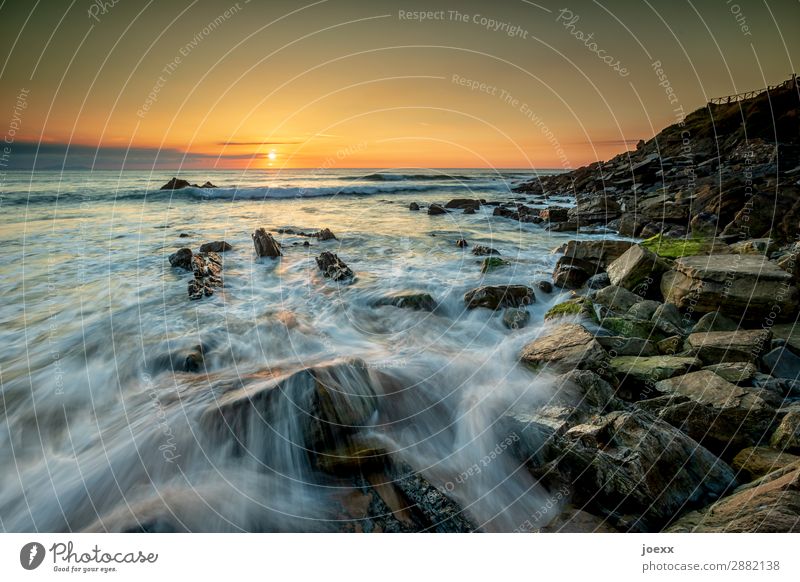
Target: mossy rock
x=491, y=263
x=575, y=306
x=632, y=328
x=675, y=248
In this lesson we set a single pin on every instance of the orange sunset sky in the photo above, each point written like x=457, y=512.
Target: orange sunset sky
x=338, y=83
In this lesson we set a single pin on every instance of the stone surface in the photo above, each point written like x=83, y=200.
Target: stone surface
x=729, y=346
x=636, y=266
x=333, y=267
x=413, y=206
x=207, y=270
x=265, y=244
x=643, y=309
x=734, y=372
x=713, y=321
x=740, y=286
x=755, y=462
x=436, y=209
x=670, y=345
x=652, y=369
x=781, y=363
x=598, y=281
x=787, y=435
x=217, y=246
x=720, y=415
x=483, y=250
x=515, y=318
x=599, y=253
x=182, y=259
x=567, y=347
x=492, y=263
x=496, y=296
x=769, y=504
x=463, y=203
x=577, y=306
x=416, y=301
x=617, y=345
x=616, y=298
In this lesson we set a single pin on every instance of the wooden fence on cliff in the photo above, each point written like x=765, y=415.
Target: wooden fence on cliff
x=789, y=83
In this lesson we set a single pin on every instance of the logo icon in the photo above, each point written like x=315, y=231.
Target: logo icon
x=31, y=555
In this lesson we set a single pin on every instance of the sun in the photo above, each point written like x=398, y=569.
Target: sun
x=272, y=155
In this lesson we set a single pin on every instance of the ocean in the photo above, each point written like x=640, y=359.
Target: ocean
x=103, y=426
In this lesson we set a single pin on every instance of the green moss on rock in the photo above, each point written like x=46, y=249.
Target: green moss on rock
x=675, y=248
x=571, y=307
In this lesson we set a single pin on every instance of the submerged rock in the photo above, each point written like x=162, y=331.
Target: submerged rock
x=265, y=245
x=413, y=206
x=496, y=296
x=515, y=318
x=333, y=267
x=482, y=250
x=463, y=203
x=417, y=301
x=491, y=263
x=461, y=243
x=436, y=209
x=217, y=246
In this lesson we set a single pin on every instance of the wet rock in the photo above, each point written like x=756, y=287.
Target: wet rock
x=515, y=318
x=714, y=321
x=769, y=504
x=461, y=243
x=184, y=235
x=729, y=346
x=176, y=184
x=463, y=203
x=207, y=270
x=598, y=281
x=436, y=209
x=643, y=309
x=416, y=301
x=601, y=209
x=554, y=214
x=721, y=416
x=787, y=436
x=624, y=463
x=568, y=347
x=496, y=296
x=577, y=306
x=617, y=299
x=599, y=253
x=333, y=267
x=629, y=327
x=754, y=246
x=492, y=263
x=325, y=234
x=482, y=250
x=734, y=372
x=544, y=286
x=637, y=373
x=636, y=266
x=469, y=210
x=745, y=287
x=669, y=346
x=218, y=246
x=617, y=345
x=181, y=259
x=781, y=363
x=265, y=245
x=413, y=206
x=754, y=462
x=571, y=273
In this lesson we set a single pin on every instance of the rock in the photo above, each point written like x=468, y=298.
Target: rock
x=207, y=184
x=571, y=273
x=469, y=210
x=181, y=259
x=325, y=234
x=643, y=309
x=461, y=243
x=265, y=245
x=482, y=250
x=781, y=363
x=567, y=347
x=714, y=321
x=730, y=346
x=554, y=214
x=719, y=415
x=413, y=206
x=496, y=296
x=416, y=301
x=635, y=267
x=333, y=267
x=491, y=263
x=598, y=281
x=436, y=209
x=595, y=210
x=617, y=345
x=638, y=374
x=669, y=346
x=463, y=203
x=218, y=246
x=599, y=253
x=770, y=504
x=207, y=269
x=754, y=246
x=316, y=408
x=790, y=333
x=755, y=462
x=617, y=299
x=734, y=372
x=787, y=436
x=184, y=235
x=544, y=286
x=175, y=184
x=629, y=327
x=668, y=317
x=577, y=306
x=514, y=318
x=625, y=463
x=745, y=287
x=573, y=520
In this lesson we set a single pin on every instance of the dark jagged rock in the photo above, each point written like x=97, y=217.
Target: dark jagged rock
x=497, y=296
x=568, y=347
x=463, y=203
x=207, y=269
x=482, y=251
x=417, y=301
x=177, y=184
x=265, y=244
x=461, y=243
x=436, y=209
x=218, y=246
x=333, y=267
x=181, y=259
x=323, y=234
x=516, y=318
x=413, y=206
x=544, y=286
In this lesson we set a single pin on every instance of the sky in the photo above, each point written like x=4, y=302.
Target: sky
x=139, y=84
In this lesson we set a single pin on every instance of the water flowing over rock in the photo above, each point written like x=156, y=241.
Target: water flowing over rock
x=265, y=244
x=497, y=296
x=333, y=267
x=416, y=301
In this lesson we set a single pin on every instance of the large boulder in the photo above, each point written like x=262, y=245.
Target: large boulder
x=721, y=416
x=617, y=299
x=333, y=267
x=572, y=273
x=745, y=345
x=755, y=462
x=748, y=287
x=600, y=253
x=217, y=246
x=568, y=347
x=770, y=504
x=637, y=267
x=637, y=470
x=787, y=435
x=497, y=296
x=782, y=363
x=598, y=209
x=181, y=259
x=265, y=244
x=638, y=374
x=463, y=203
